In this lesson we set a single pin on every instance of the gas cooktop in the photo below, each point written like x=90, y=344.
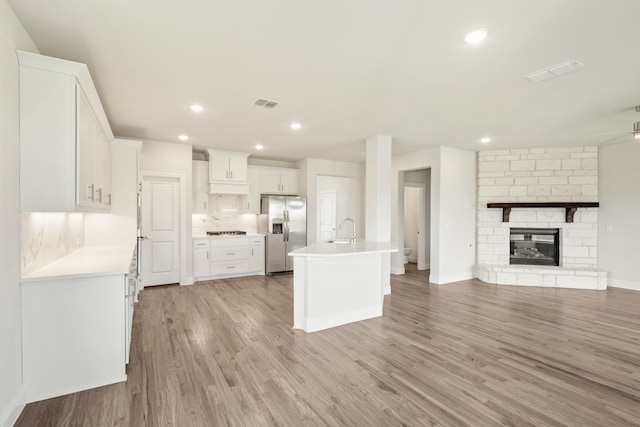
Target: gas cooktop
x=226, y=233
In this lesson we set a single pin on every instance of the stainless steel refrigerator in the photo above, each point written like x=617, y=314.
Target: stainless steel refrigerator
x=283, y=220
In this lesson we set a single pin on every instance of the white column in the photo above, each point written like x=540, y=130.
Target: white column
x=378, y=198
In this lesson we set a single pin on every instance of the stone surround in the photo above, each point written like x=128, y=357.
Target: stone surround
x=555, y=174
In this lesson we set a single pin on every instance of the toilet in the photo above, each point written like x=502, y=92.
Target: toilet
x=407, y=252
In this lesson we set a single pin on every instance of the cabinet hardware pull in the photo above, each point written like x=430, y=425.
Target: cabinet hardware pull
x=109, y=199
x=99, y=195
x=92, y=196
x=231, y=253
x=230, y=266
x=226, y=174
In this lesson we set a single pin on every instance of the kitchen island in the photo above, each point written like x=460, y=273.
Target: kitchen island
x=338, y=283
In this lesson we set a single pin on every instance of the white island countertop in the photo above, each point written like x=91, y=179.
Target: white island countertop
x=324, y=249
x=86, y=261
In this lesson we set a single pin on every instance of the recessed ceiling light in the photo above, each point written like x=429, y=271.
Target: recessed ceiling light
x=183, y=137
x=197, y=108
x=476, y=36
x=485, y=140
x=259, y=147
x=296, y=125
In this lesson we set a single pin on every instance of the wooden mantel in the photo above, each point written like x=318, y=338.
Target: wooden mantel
x=570, y=207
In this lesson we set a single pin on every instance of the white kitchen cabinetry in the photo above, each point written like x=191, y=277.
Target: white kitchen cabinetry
x=201, y=263
x=279, y=181
x=251, y=202
x=229, y=256
x=199, y=187
x=256, y=257
x=64, y=138
x=228, y=172
x=233, y=256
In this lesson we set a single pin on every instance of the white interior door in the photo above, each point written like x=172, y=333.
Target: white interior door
x=327, y=217
x=161, y=230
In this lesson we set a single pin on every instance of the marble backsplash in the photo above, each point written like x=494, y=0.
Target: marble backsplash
x=224, y=213
x=47, y=237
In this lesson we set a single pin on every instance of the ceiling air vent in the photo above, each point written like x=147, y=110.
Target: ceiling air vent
x=266, y=103
x=554, y=70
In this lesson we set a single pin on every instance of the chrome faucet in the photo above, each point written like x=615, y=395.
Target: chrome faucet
x=353, y=237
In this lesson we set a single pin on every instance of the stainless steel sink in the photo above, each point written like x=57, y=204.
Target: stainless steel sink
x=340, y=241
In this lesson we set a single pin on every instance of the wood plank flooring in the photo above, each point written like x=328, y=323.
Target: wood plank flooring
x=465, y=354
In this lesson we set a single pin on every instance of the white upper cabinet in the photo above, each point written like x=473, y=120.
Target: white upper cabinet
x=251, y=202
x=200, y=174
x=65, y=156
x=279, y=181
x=228, y=172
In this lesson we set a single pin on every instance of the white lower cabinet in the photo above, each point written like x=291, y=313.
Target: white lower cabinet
x=221, y=257
x=201, y=264
x=75, y=333
x=256, y=257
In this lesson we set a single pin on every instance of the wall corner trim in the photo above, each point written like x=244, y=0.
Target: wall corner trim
x=10, y=414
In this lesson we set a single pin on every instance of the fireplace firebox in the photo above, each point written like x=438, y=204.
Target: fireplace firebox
x=534, y=246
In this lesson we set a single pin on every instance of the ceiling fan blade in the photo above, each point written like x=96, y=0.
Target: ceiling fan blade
x=605, y=133
x=612, y=140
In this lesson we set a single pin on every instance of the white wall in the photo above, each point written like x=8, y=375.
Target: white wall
x=457, y=243
x=619, y=231
x=174, y=159
x=12, y=37
x=453, y=186
x=310, y=169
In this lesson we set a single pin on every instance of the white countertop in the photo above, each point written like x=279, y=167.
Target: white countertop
x=86, y=261
x=206, y=236
x=345, y=249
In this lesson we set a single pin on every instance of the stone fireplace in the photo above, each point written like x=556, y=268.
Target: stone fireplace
x=535, y=177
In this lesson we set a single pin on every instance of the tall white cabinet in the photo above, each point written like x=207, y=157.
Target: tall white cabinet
x=65, y=161
x=200, y=173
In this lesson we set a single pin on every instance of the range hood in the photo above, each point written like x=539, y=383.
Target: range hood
x=241, y=188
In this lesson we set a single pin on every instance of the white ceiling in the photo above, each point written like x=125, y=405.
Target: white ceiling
x=347, y=70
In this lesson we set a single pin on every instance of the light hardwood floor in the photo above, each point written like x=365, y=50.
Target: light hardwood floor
x=223, y=353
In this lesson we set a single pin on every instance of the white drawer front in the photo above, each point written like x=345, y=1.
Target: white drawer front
x=230, y=267
x=198, y=244
x=230, y=254
x=257, y=241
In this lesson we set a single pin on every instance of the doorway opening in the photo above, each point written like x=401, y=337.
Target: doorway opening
x=416, y=211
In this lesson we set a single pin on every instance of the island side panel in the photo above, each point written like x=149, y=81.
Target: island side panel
x=341, y=290
x=299, y=291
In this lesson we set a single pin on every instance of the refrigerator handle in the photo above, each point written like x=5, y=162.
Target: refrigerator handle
x=284, y=226
x=286, y=222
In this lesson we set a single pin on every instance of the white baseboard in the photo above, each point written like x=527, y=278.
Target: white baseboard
x=624, y=284
x=326, y=322
x=10, y=414
x=397, y=270
x=443, y=280
x=186, y=281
